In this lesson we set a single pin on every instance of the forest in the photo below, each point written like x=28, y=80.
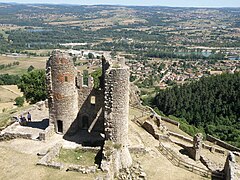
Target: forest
x=212, y=104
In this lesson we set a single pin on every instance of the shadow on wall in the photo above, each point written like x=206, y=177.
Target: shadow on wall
x=39, y=124
x=89, y=115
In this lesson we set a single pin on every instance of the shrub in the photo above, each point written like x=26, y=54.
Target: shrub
x=19, y=101
x=30, y=68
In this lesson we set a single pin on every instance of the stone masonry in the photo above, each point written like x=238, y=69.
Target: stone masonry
x=75, y=106
x=63, y=97
x=197, y=146
x=116, y=112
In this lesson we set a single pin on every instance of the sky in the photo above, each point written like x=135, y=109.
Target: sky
x=173, y=3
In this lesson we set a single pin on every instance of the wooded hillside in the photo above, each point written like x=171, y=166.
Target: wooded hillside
x=211, y=103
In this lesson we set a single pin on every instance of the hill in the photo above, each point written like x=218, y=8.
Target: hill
x=212, y=103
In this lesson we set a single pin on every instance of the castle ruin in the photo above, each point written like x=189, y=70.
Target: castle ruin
x=87, y=114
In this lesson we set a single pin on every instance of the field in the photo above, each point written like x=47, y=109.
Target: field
x=122, y=16
x=7, y=95
x=13, y=167
x=40, y=52
x=24, y=63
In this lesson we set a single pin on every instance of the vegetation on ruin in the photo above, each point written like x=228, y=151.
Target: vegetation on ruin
x=212, y=104
x=97, y=77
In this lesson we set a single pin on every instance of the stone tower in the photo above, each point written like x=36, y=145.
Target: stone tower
x=77, y=109
x=116, y=112
x=63, y=97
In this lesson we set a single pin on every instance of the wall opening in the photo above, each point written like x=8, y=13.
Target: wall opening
x=93, y=101
x=66, y=79
x=85, y=77
x=76, y=82
x=59, y=126
x=85, y=122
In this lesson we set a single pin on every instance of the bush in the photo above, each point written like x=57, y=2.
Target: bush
x=30, y=68
x=19, y=101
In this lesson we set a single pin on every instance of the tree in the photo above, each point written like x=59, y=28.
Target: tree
x=30, y=68
x=90, y=56
x=19, y=101
x=33, y=86
x=212, y=103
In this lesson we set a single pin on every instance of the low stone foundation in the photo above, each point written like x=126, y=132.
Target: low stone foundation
x=9, y=136
x=134, y=172
x=222, y=143
x=48, y=161
x=82, y=169
x=187, y=139
x=48, y=132
x=152, y=129
x=210, y=165
x=137, y=150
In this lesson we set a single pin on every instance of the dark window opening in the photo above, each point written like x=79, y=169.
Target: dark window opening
x=60, y=126
x=85, y=122
x=66, y=79
x=76, y=82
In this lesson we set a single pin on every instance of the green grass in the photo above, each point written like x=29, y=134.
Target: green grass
x=77, y=156
x=187, y=128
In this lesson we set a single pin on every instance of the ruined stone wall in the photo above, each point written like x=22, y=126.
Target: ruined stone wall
x=9, y=136
x=222, y=143
x=116, y=114
x=63, y=97
x=230, y=170
x=47, y=133
x=90, y=102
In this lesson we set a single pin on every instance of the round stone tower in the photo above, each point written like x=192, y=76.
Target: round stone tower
x=116, y=113
x=62, y=91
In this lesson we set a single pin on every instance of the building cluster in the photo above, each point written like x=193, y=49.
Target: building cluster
x=180, y=71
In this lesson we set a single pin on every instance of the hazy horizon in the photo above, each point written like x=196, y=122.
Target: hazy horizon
x=170, y=3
